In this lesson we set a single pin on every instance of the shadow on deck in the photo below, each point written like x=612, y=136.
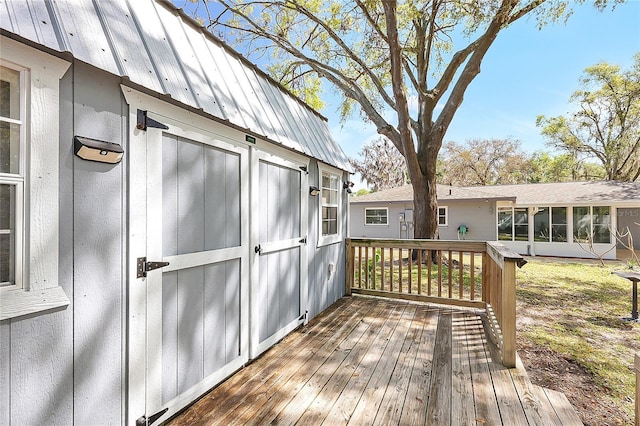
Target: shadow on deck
x=380, y=361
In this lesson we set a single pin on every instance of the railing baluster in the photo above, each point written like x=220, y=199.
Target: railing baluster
x=419, y=271
x=400, y=271
x=472, y=277
x=410, y=278
x=366, y=267
x=359, y=266
x=429, y=272
x=375, y=266
x=460, y=271
x=450, y=277
x=439, y=273
x=382, y=268
x=391, y=250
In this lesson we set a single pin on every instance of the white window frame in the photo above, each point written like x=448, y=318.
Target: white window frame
x=446, y=216
x=386, y=223
x=37, y=289
x=324, y=240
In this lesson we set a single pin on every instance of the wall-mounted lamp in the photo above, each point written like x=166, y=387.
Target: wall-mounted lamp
x=95, y=150
x=347, y=186
x=314, y=190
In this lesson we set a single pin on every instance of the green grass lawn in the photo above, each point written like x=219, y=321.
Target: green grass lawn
x=575, y=309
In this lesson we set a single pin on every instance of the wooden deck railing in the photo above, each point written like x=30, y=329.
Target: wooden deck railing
x=637, y=368
x=461, y=273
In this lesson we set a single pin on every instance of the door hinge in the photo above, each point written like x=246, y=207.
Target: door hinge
x=257, y=249
x=303, y=241
x=145, y=121
x=143, y=266
x=144, y=421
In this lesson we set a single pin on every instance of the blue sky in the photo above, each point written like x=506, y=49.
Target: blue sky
x=526, y=73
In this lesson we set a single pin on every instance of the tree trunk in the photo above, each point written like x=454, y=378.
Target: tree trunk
x=425, y=203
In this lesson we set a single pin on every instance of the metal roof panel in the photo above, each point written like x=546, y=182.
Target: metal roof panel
x=155, y=45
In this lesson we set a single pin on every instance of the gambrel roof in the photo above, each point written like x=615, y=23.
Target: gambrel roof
x=155, y=46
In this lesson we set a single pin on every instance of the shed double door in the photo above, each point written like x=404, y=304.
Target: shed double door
x=205, y=204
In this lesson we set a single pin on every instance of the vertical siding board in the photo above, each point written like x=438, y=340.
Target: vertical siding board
x=232, y=200
x=190, y=327
x=191, y=218
x=169, y=195
x=5, y=372
x=98, y=286
x=232, y=310
x=214, y=198
x=215, y=298
x=169, y=335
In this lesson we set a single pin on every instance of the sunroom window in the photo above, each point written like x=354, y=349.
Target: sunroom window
x=513, y=224
x=592, y=223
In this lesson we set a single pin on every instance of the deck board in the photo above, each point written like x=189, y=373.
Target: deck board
x=379, y=361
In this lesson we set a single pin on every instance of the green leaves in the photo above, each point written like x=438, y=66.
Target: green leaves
x=605, y=122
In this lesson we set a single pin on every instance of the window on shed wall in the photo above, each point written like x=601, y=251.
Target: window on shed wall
x=376, y=216
x=330, y=205
x=11, y=175
x=443, y=216
x=29, y=147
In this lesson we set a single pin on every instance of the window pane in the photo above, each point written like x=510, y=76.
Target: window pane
x=601, y=225
x=7, y=234
x=541, y=225
x=329, y=220
x=559, y=224
x=376, y=216
x=442, y=216
x=521, y=218
x=9, y=148
x=9, y=93
x=505, y=222
x=581, y=224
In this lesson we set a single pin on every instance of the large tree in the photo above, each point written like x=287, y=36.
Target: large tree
x=405, y=64
x=381, y=165
x=485, y=162
x=605, y=124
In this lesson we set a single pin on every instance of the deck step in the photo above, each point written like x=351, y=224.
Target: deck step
x=566, y=414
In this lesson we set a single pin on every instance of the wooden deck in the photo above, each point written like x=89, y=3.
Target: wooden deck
x=377, y=361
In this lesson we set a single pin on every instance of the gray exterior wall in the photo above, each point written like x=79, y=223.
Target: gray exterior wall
x=69, y=367
x=327, y=264
x=478, y=216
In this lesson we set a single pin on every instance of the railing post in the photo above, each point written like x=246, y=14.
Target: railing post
x=637, y=368
x=508, y=321
x=350, y=267
x=486, y=277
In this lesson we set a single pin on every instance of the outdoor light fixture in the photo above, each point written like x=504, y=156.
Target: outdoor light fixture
x=347, y=185
x=313, y=191
x=95, y=150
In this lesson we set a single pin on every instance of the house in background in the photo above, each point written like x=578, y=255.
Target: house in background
x=157, y=228
x=547, y=219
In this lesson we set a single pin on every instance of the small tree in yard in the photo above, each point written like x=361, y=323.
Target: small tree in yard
x=606, y=123
x=381, y=166
x=485, y=162
x=405, y=64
